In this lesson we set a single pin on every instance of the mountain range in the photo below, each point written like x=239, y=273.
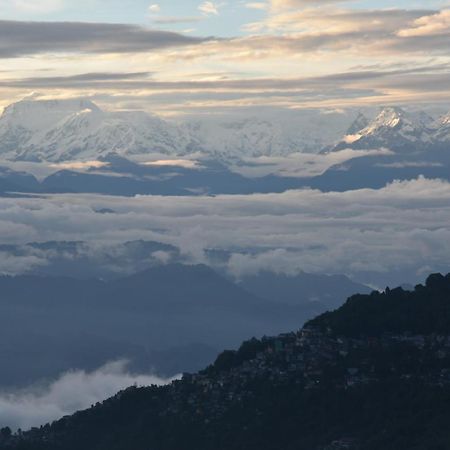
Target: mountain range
x=68, y=130
x=78, y=129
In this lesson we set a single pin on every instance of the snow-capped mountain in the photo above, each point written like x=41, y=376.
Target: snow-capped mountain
x=21, y=121
x=61, y=130
x=275, y=136
x=68, y=130
x=445, y=120
x=398, y=130
x=442, y=129
x=393, y=128
x=248, y=137
x=90, y=133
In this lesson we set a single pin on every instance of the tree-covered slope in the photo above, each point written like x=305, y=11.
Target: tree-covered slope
x=422, y=311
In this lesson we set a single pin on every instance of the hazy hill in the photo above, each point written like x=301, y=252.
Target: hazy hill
x=169, y=317
x=313, y=291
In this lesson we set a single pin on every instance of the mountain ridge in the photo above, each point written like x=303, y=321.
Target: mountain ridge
x=78, y=129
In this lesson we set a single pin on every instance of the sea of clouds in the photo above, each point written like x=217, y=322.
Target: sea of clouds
x=401, y=229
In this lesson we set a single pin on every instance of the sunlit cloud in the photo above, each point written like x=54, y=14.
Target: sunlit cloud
x=154, y=8
x=210, y=8
x=438, y=23
x=187, y=164
x=220, y=93
x=293, y=4
x=78, y=165
x=256, y=5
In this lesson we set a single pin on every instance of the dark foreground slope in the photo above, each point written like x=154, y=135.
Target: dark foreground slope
x=375, y=374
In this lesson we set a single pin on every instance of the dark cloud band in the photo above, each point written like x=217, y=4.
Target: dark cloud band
x=31, y=38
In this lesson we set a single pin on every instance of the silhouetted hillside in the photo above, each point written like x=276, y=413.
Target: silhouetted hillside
x=326, y=387
x=425, y=310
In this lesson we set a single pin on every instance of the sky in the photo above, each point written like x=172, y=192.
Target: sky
x=184, y=57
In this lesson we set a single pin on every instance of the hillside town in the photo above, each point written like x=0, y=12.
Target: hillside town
x=311, y=359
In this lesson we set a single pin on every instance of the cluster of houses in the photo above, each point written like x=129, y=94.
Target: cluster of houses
x=309, y=358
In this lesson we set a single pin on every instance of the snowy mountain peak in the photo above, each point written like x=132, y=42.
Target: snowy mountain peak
x=33, y=106
x=57, y=130
x=442, y=130
x=34, y=115
x=389, y=117
x=395, y=117
x=395, y=129
x=444, y=120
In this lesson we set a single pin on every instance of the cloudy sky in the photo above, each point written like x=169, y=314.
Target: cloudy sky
x=194, y=57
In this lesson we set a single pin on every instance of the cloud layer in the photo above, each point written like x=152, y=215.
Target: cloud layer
x=402, y=228
x=31, y=38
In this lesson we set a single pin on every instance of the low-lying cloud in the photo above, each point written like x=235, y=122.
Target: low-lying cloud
x=402, y=227
x=73, y=391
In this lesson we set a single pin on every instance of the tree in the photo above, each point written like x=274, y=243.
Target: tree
x=5, y=432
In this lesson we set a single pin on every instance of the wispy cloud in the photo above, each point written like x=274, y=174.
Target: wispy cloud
x=210, y=8
x=155, y=8
x=170, y=20
x=257, y=5
x=433, y=24
x=371, y=84
x=296, y=4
